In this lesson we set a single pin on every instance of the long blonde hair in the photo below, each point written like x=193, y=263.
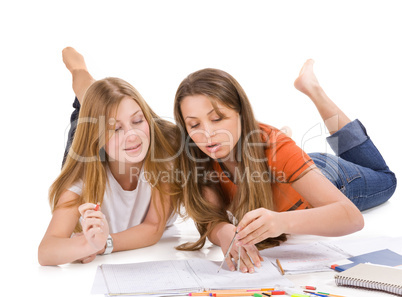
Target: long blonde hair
x=87, y=159
x=219, y=86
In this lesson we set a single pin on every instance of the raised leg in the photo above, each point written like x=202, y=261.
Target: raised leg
x=307, y=83
x=75, y=63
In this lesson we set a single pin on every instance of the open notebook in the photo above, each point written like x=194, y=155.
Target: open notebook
x=179, y=277
x=371, y=276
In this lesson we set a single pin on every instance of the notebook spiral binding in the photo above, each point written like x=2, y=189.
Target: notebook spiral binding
x=361, y=283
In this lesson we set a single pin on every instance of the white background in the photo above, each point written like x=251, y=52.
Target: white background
x=154, y=45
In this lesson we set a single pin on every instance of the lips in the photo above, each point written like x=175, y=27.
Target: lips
x=213, y=147
x=132, y=148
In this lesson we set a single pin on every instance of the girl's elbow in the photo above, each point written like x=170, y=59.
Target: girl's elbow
x=43, y=262
x=46, y=256
x=357, y=222
x=360, y=223
x=353, y=218
x=42, y=256
x=155, y=234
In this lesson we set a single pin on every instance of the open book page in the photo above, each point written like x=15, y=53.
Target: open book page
x=180, y=276
x=305, y=258
x=265, y=277
x=150, y=277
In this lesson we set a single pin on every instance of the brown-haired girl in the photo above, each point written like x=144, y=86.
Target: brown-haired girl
x=249, y=177
x=120, y=149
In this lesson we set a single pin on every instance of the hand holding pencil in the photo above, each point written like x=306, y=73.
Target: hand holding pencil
x=94, y=225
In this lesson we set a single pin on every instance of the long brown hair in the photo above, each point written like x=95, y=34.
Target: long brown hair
x=219, y=86
x=87, y=159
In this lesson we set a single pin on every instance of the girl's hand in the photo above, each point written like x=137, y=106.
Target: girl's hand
x=86, y=259
x=258, y=225
x=94, y=226
x=249, y=257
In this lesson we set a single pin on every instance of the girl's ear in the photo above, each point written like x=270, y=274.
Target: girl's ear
x=102, y=154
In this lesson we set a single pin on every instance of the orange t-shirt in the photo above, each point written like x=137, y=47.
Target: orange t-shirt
x=286, y=162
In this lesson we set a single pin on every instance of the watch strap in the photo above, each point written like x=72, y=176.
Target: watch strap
x=109, y=245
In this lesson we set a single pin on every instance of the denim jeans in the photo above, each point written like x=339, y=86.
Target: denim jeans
x=73, y=127
x=358, y=170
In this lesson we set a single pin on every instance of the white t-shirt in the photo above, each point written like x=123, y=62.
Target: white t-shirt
x=124, y=209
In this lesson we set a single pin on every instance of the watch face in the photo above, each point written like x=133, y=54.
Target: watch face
x=109, y=246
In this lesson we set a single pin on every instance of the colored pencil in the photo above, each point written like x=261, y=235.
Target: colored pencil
x=280, y=267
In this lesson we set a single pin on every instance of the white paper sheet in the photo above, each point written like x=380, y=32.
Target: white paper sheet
x=305, y=258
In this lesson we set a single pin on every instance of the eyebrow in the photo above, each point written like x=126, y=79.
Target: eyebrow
x=117, y=121
x=213, y=109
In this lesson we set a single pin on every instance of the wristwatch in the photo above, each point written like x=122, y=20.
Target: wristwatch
x=109, y=245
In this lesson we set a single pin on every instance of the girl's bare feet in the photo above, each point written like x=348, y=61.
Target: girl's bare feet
x=73, y=59
x=75, y=63
x=307, y=83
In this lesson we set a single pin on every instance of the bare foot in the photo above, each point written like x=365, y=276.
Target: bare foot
x=73, y=60
x=82, y=79
x=307, y=82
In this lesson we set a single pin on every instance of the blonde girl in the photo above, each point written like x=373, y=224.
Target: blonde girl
x=250, y=177
x=119, y=151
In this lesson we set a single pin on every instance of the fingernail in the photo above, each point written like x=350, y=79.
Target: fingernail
x=232, y=269
x=244, y=270
x=258, y=264
x=251, y=270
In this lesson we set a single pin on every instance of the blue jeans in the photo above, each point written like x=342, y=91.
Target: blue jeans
x=358, y=170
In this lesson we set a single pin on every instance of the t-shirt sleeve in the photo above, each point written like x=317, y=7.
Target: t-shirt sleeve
x=76, y=187
x=286, y=160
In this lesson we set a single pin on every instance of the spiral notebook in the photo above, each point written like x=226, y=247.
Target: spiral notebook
x=373, y=277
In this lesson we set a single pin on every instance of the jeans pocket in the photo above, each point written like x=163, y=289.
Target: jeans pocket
x=350, y=171
x=338, y=171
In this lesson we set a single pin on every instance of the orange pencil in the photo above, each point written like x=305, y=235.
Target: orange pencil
x=97, y=206
x=238, y=293
x=240, y=290
x=280, y=267
x=233, y=294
